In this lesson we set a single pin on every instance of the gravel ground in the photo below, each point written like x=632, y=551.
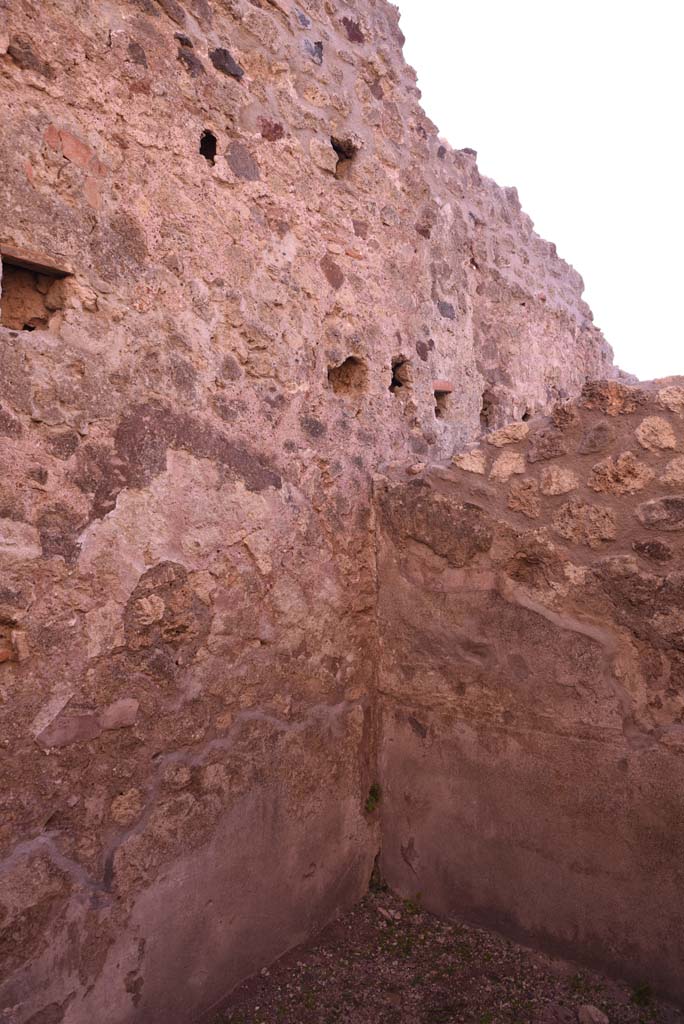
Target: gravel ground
x=390, y=962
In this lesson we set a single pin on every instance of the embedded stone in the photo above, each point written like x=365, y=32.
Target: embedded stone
x=190, y=61
x=546, y=444
x=21, y=50
x=524, y=497
x=587, y=524
x=224, y=720
x=668, y=624
x=9, y=424
x=75, y=150
x=177, y=776
x=121, y=714
x=654, y=433
x=591, y=1015
x=674, y=472
x=314, y=48
x=174, y=10
x=224, y=62
x=597, y=439
x=512, y=433
x=621, y=475
x=137, y=54
x=554, y=1013
x=70, y=728
x=270, y=130
x=565, y=415
x=662, y=513
x=557, y=480
x=612, y=397
x=20, y=644
x=353, y=29
x=656, y=550
x=332, y=272
x=323, y=155
x=506, y=465
x=313, y=427
x=127, y=807
x=471, y=462
x=241, y=162
x=18, y=541
x=149, y=609
x=672, y=398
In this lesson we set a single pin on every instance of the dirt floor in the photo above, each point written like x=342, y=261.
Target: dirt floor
x=389, y=962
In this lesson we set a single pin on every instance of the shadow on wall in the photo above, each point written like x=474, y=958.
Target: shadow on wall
x=30, y=292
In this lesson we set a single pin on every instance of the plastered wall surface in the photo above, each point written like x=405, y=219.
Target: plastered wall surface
x=531, y=681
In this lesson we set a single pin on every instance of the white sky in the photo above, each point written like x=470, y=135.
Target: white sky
x=580, y=106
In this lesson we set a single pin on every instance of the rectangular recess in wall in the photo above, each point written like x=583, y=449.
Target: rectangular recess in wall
x=28, y=297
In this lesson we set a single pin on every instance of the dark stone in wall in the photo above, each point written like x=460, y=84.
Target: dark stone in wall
x=332, y=272
x=663, y=513
x=191, y=61
x=241, y=162
x=314, y=50
x=59, y=527
x=24, y=56
x=137, y=53
x=9, y=425
x=224, y=62
x=174, y=10
x=353, y=29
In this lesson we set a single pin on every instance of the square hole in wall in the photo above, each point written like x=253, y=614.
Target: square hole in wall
x=349, y=377
x=346, y=151
x=31, y=292
x=402, y=376
x=442, y=404
x=442, y=391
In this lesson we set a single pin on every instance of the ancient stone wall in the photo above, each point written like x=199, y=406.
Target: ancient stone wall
x=532, y=681
x=240, y=271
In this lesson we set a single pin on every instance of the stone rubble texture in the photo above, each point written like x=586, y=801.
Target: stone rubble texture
x=223, y=347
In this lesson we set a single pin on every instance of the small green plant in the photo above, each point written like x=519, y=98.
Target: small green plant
x=373, y=798
x=642, y=995
x=377, y=882
x=412, y=906
x=579, y=985
x=309, y=999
